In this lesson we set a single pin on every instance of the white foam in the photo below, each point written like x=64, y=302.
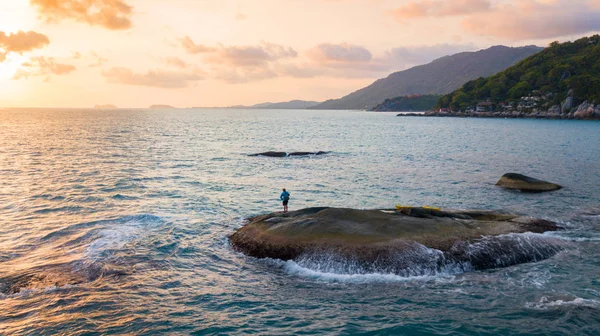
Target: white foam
x=562, y=235
x=545, y=304
x=114, y=238
x=291, y=267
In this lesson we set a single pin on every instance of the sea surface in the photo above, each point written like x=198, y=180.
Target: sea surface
x=116, y=222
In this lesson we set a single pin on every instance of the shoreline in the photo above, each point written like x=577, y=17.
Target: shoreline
x=499, y=115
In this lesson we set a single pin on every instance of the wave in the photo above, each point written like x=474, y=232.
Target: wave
x=83, y=253
x=422, y=263
x=124, y=197
x=545, y=303
x=294, y=268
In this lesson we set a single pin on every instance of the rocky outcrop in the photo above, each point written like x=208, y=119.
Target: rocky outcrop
x=587, y=111
x=584, y=111
x=286, y=154
x=525, y=183
x=397, y=241
x=568, y=103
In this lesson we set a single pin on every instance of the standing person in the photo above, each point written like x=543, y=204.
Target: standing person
x=285, y=197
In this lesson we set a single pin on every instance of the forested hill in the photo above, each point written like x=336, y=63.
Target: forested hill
x=438, y=77
x=551, y=74
x=417, y=103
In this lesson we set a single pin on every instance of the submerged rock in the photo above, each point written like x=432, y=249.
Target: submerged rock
x=57, y=276
x=525, y=183
x=286, y=154
x=410, y=241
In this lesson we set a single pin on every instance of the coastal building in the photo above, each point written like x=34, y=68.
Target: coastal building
x=484, y=106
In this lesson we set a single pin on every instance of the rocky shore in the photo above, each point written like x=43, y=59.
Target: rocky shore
x=585, y=111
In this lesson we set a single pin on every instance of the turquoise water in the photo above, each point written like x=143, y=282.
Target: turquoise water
x=116, y=221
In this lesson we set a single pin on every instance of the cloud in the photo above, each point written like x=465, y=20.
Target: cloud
x=312, y=70
x=194, y=48
x=440, y=8
x=153, y=78
x=110, y=14
x=42, y=66
x=403, y=57
x=98, y=60
x=21, y=42
x=176, y=62
x=244, y=75
x=530, y=19
x=251, y=56
x=237, y=64
x=347, y=57
x=243, y=64
x=328, y=53
x=511, y=19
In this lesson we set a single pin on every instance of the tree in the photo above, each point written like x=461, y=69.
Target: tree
x=519, y=90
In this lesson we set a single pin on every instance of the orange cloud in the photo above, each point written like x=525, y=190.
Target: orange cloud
x=98, y=60
x=531, y=19
x=242, y=64
x=42, y=66
x=155, y=78
x=194, y=48
x=250, y=56
x=110, y=14
x=244, y=75
x=176, y=62
x=340, y=53
x=438, y=8
x=21, y=42
x=355, y=60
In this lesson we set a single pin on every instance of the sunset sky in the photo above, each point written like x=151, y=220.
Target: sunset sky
x=134, y=53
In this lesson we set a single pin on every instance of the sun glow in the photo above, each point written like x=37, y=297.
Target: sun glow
x=10, y=66
x=15, y=16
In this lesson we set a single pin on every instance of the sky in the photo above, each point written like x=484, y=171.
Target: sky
x=203, y=53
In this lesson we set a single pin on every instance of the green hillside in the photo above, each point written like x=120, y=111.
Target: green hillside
x=408, y=103
x=547, y=75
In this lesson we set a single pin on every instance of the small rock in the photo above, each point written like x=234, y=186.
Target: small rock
x=525, y=183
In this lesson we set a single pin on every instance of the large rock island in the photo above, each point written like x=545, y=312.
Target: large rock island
x=407, y=241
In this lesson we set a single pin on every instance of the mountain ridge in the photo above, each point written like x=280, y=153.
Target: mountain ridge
x=292, y=104
x=440, y=76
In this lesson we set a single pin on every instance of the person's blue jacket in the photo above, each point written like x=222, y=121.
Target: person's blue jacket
x=285, y=196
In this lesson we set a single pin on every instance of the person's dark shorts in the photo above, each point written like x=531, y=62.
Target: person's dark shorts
x=285, y=202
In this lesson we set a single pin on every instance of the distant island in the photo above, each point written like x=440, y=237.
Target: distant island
x=107, y=106
x=441, y=76
x=291, y=105
x=161, y=107
x=561, y=82
x=419, y=103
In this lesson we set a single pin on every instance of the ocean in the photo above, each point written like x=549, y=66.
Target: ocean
x=116, y=222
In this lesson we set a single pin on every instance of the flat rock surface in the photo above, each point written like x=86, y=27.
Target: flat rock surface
x=388, y=236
